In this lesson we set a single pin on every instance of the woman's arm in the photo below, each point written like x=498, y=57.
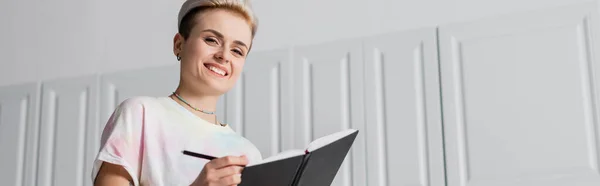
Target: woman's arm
x=112, y=175
x=118, y=160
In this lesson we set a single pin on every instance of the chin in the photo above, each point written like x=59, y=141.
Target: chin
x=217, y=88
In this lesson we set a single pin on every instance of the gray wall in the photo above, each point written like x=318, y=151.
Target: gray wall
x=44, y=40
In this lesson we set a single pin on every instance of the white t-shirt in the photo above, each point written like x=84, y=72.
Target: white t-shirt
x=146, y=135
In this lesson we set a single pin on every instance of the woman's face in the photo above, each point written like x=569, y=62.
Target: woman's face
x=214, y=54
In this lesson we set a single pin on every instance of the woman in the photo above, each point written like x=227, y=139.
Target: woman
x=143, y=140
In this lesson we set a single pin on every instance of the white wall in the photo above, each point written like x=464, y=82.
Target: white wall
x=43, y=40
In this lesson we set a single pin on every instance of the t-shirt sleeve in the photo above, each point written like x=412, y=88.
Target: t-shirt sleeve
x=121, y=142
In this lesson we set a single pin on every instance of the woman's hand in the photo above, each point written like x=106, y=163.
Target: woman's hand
x=225, y=171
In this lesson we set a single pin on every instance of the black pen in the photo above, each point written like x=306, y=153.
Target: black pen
x=197, y=155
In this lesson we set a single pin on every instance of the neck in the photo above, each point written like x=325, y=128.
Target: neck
x=198, y=100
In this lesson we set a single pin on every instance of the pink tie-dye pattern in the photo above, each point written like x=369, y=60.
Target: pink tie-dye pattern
x=146, y=135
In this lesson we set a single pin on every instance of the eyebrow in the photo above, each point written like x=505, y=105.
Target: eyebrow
x=221, y=36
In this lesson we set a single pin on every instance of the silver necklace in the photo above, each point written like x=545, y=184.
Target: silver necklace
x=196, y=109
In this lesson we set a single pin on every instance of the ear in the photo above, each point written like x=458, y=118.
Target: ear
x=178, y=42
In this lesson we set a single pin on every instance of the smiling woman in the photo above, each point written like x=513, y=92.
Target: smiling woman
x=144, y=138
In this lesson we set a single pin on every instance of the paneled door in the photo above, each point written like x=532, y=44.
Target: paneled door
x=404, y=128
x=19, y=105
x=119, y=86
x=520, y=99
x=259, y=105
x=328, y=92
x=68, y=127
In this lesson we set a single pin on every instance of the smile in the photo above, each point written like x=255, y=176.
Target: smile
x=216, y=70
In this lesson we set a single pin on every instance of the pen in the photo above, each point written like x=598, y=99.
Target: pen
x=197, y=155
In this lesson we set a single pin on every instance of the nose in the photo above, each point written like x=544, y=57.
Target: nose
x=222, y=57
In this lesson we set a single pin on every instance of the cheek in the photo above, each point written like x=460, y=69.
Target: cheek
x=238, y=67
x=197, y=49
x=197, y=53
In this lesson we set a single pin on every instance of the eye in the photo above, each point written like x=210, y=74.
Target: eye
x=211, y=40
x=239, y=52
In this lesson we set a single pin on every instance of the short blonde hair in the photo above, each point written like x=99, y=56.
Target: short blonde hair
x=190, y=8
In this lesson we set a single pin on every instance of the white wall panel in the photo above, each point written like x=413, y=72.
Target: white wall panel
x=19, y=108
x=123, y=35
x=404, y=131
x=67, y=132
x=520, y=99
x=119, y=86
x=328, y=91
x=259, y=105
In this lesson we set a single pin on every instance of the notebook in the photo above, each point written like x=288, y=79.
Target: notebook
x=318, y=164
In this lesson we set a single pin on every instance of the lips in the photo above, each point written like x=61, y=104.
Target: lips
x=217, y=69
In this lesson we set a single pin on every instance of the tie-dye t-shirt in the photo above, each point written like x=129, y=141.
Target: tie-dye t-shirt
x=146, y=135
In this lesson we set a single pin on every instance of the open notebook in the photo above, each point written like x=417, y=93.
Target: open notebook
x=316, y=165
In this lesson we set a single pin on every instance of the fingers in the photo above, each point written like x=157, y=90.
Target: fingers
x=227, y=161
x=228, y=171
x=235, y=179
x=226, y=176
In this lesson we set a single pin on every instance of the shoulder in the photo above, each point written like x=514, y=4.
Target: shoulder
x=133, y=110
x=138, y=104
x=138, y=101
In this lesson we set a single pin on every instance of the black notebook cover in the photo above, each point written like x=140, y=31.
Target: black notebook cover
x=315, y=168
x=277, y=173
x=322, y=165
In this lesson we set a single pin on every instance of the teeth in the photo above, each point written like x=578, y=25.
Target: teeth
x=217, y=70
